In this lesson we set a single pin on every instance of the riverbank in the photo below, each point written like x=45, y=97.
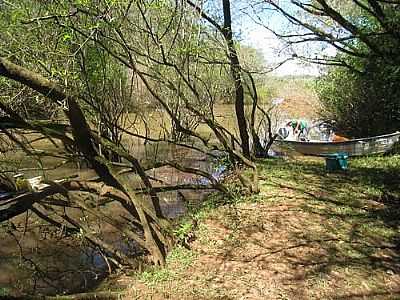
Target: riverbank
x=308, y=235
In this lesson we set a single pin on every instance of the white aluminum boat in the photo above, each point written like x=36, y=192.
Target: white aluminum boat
x=356, y=147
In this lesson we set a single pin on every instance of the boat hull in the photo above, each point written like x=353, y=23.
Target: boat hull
x=357, y=147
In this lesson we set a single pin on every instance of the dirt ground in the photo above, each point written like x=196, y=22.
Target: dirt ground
x=308, y=235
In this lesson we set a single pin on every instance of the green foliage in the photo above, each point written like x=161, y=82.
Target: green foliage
x=183, y=230
x=4, y=291
x=363, y=104
x=63, y=55
x=36, y=48
x=363, y=99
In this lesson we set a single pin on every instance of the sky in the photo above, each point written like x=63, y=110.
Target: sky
x=275, y=50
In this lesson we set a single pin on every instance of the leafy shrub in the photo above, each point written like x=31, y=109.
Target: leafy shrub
x=362, y=104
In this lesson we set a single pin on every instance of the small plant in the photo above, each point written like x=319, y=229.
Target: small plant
x=155, y=275
x=184, y=231
x=4, y=291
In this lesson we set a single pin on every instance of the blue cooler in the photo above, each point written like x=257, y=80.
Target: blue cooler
x=336, y=162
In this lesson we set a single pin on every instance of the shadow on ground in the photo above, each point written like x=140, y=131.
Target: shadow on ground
x=351, y=234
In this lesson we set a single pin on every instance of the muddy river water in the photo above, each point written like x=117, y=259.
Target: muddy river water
x=35, y=259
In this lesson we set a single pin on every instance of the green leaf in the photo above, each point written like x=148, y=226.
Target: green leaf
x=66, y=37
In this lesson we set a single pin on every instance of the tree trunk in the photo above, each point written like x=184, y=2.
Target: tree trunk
x=236, y=74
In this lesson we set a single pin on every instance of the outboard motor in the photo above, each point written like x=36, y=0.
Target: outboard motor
x=283, y=132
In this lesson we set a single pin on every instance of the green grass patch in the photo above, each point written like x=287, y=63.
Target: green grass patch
x=178, y=260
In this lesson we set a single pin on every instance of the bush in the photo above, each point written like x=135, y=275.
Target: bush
x=362, y=104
